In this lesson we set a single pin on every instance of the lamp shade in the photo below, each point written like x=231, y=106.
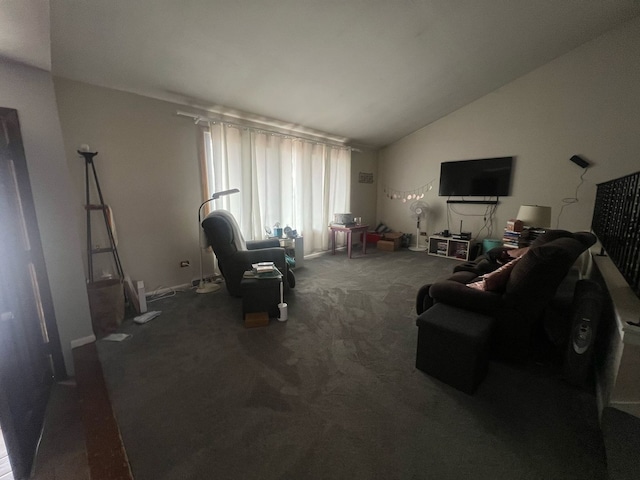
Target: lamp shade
x=535, y=216
x=217, y=195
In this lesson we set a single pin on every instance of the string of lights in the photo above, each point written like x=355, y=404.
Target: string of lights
x=406, y=195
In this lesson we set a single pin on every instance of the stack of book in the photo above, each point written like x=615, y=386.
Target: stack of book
x=511, y=238
x=521, y=239
x=529, y=235
x=262, y=270
x=263, y=267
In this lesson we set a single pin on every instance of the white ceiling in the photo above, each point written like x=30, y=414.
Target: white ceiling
x=24, y=32
x=370, y=71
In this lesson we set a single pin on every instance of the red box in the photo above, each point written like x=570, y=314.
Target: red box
x=373, y=237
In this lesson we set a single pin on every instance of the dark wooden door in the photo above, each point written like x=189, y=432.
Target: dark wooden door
x=30, y=354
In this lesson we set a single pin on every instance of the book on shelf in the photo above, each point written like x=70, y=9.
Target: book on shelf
x=461, y=253
x=510, y=244
x=510, y=238
x=521, y=239
x=530, y=234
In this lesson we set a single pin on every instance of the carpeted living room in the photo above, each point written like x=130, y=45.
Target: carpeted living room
x=131, y=127
x=333, y=392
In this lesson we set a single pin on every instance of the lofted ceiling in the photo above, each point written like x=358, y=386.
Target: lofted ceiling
x=367, y=71
x=24, y=33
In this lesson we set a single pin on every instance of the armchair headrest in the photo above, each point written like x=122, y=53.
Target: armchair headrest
x=585, y=238
x=536, y=277
x=223, y=233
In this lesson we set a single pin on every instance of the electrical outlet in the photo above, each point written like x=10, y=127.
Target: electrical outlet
x=184, y=263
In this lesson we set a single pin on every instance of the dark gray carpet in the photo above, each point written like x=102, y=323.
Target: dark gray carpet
x=333, y=392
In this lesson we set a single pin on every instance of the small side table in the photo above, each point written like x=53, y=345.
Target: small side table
x=294, y=247
x=261, y=294
x=349, y=230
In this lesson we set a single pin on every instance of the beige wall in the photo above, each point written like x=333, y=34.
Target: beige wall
x=586, y=102
x=363, y=195
x=149, y=173
x=30, y=91
x=148, y=170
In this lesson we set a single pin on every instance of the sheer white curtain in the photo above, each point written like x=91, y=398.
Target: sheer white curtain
x=284, y=180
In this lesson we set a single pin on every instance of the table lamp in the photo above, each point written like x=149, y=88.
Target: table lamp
x=535, y=216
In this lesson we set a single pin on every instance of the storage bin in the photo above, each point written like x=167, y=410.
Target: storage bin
x=490, y=243
x=106, y=304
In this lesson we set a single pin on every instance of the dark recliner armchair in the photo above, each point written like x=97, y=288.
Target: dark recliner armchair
x=519, y=303
x=235, y=255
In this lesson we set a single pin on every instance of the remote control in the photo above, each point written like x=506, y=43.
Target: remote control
x=145, y=317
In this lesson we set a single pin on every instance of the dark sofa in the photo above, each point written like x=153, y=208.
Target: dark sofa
x=516, y=299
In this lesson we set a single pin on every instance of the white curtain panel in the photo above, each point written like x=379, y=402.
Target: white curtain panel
x=282, y=180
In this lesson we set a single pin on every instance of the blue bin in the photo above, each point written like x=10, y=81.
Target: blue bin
x=489, y=243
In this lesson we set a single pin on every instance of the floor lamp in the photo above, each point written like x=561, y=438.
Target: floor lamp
x=204, y=287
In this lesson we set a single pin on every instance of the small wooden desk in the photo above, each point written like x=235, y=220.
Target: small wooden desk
x=349, y=231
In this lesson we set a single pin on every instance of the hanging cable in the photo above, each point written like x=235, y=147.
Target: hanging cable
x=571, y=200
x=488, y=216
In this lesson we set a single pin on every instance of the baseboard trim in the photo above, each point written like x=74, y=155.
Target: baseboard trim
x=161, y=291
x=79, y=342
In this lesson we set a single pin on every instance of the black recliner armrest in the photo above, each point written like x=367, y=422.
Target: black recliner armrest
x=459, y=295
x=266, y=243
x=463, y=277
x=424, y=301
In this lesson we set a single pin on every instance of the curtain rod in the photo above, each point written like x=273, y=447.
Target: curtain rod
x=200, y=118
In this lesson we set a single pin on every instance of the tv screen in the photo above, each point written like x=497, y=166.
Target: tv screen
x=485, y=177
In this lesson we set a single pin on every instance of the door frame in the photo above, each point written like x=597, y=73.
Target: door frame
x=22, y=447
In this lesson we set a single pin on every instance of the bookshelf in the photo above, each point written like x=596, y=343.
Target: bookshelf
x=450, y=247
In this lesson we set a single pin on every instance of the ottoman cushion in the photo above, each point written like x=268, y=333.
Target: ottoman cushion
x=453, y=345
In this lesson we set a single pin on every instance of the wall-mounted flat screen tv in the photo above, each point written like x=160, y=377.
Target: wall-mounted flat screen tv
x=484, y=177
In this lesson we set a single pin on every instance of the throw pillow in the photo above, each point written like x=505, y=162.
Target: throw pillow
x=497, y=280
x=479, y=285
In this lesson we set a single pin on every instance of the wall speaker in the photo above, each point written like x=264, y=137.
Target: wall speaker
x=579, y=161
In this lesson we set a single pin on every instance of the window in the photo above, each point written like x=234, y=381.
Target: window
x=282, y=179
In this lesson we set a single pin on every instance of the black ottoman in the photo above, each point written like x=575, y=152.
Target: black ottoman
x=260, y=295
x=453, y=345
